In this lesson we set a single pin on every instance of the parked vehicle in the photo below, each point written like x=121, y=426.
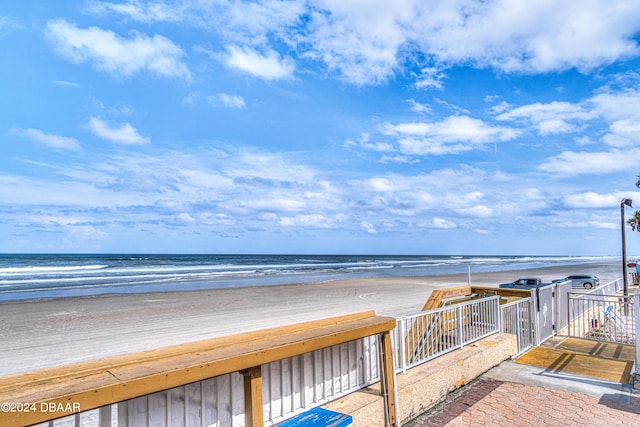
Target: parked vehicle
x=526, y=283
x=586, y=281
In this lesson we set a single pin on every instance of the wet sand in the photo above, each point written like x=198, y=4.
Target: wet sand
x=46, y=333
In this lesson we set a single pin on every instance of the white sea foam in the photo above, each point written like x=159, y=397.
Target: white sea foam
x=26, y=276
x=32, y=269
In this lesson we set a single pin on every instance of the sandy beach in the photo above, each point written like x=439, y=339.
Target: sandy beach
x=46, y=333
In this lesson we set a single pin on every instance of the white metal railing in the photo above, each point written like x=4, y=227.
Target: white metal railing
x=517, y=319
x=602, y=317
x=424, y=336
x=610, y=288
x=293, y=385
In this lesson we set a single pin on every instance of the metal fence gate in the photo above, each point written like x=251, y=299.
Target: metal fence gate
x=545, y=312
x=608, y=318
x=517, y=319
x=563, y=290
x=550, y=310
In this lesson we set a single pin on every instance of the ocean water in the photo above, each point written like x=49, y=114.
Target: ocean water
x=29, y=276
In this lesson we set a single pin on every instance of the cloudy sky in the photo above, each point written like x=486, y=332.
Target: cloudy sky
x=319, y=126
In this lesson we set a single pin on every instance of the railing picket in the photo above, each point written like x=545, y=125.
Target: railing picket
x=427, y=335
x=602, y=315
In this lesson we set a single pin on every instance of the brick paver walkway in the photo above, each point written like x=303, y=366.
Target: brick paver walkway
x=489, y=402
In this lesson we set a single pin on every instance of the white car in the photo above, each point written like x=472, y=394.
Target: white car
x=586, y=281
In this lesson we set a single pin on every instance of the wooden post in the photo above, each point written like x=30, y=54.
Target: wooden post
x=96, y=383
x=253, y=416
x=388, y=385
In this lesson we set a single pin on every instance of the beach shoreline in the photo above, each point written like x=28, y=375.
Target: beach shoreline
x=42, y=276
x=53, y=332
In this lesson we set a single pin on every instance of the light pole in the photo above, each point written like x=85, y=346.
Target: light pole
x=625, y=279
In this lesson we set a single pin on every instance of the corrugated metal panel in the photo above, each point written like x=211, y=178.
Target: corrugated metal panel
x=293, y=385
x=290, y=386
x=215, y=402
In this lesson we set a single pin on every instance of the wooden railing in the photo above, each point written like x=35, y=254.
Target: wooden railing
x=95, y=384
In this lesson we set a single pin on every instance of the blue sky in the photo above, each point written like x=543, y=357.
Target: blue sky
x=335, y=126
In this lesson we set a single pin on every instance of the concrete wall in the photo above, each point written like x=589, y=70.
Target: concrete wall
x=424, y=386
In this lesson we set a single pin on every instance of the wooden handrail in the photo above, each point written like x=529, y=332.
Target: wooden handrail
x=93, y=384
x=438, y=295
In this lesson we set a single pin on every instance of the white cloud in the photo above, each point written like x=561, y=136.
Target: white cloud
x=61, y=192
x=9, y=25
x=124, y=134
x=191, y=98
x=116, y=55
x=215, y=219
x=482, y=231
x=455, y=134
x=150, y=12
x=552, y=126
x=359, y=40
x=50, y=140
x=397, y=159
x=584, y=140
x=378, y=146
x=221, y=99
x=500, y=107
x=419, y=107
x=66, y=83
x=238, y=21
x=274, y=202
x=228, y=100
x=382, y=184
x=314, y=220
x=610, y=225
x=621, y=111
x=86, y=232
x=571, y=163
x=250, y=164
x=414, y=128
x=368, y=227
x=364, y=142
x=368, y=41
x=591, y=199
x=479, y=211
x=430, y=77
x=623, y=134
x=185, y=217
x=554, y=117
x=443, y=223
x=531, y=37
x=269, y=66
x=613, y=105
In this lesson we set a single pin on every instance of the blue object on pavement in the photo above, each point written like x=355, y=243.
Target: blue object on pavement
x=318, y=417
